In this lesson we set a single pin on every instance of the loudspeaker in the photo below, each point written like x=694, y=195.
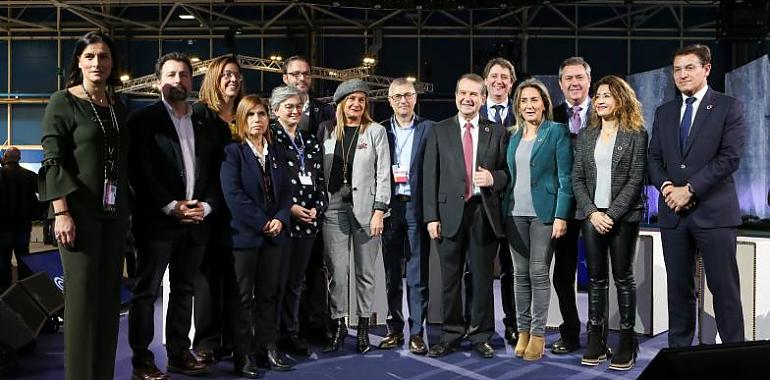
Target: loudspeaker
x=19, y=301
x=736, y=360
x=14, y=332
x=40, y=287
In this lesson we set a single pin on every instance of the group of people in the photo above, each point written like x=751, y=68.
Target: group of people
x=239, y=208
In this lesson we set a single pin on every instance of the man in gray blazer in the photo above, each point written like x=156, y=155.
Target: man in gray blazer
x=464, y=170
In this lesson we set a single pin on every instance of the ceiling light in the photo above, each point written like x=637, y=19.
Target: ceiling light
x=186, y=16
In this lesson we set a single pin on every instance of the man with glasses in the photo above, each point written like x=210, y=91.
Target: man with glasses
x=404, y=239
x=314, y=306
x=696, y=147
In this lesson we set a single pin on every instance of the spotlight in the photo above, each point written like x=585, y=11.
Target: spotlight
x=276, y=58
x=125, y=78
x=187, y=17
x=195, y=59
x=411, y=79
x=369, y=61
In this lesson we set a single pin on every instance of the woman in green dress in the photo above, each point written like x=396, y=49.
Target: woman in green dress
x=83, y=174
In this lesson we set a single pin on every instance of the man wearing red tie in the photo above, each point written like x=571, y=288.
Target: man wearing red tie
x=464, y=170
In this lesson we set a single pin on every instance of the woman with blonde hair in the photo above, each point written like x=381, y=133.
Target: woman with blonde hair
x=536, y=204
x=609, y=171
x=357, y=169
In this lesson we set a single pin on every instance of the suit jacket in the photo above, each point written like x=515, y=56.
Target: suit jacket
x=509, y=118
x=550, y=172
x=371, y=169
x=157, y=172
x=18, y=198
x=444, y=174
x=421, y=128
x=629, y=167
x=710, y=157
x=243, y=188
x=318, y=113
x=561, y=114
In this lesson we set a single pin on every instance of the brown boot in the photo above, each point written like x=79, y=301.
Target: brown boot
x=521, y=345
x=535, y=348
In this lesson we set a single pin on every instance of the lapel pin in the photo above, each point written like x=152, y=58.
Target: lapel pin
x=486, y=129
x=708, y=107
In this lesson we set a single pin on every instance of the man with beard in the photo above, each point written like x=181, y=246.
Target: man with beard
x=172, y=173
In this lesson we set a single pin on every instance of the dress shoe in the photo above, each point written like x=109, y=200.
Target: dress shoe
x=295, y=346
x=186, y=364
x=205, y=356
x=392, y=340
x=276, y=361
x=484, y=349
x=443, y=349
x=417, y=345
x=246, y=366
x=564, y=346
x=511, y=335
x=148, y=371
x=535, y=348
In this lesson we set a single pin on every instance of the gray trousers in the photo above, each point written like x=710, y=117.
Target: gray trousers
x=532, y=250
x=343, y=236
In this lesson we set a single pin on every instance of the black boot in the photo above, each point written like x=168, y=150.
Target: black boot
x=338, y=335
x=625, y=357
x=596, y=351
x=363, y=335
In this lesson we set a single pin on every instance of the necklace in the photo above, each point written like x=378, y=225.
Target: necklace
x=111, y=154
x=345, y=189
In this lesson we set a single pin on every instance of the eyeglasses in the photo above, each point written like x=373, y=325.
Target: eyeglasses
x=292, y=107
x=297, y=74
x=228, y=75
x=687, y=68
x=399, y=97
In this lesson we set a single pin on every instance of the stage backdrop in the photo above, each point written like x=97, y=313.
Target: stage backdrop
x=751, y=84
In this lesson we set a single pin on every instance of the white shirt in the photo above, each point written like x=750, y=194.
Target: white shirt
x=491, y=116
x=404, y=139
x=698, y=97
x=475, y=136
x=583, y=111
x=260, y=155
x=184, y=130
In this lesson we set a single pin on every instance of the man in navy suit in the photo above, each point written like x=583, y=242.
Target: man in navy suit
x=696, y=146
x=404, y=237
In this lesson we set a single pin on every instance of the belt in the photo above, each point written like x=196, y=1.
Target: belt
x=402, y=198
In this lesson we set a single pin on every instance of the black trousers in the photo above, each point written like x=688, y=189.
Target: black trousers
x=12, y=241
x=507, y=295
x=215, y=297
x=291, y=284
x=183, y=258
x=620, y=243
x=257, y=272
x=717, y=246
x=476, y=239
x=564, y=272
x=314, y=312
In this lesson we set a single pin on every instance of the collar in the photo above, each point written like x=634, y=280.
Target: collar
x=462, y=120
x=263, y=153
x=698, y=95
x=491, y=103
x=170, y=109
x=583, y=106
x=410, y=125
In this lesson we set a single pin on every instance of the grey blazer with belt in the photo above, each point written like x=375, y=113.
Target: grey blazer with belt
x=629, y=165
x=371, y=168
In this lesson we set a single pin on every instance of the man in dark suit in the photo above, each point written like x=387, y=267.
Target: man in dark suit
x=574, y=80
x=464, y=170
x=19, y=205
x=404, y=238
x=696, y=146
x=314, y=305
x=172, y=173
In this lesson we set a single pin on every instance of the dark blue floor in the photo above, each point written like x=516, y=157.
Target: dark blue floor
x=46, y=362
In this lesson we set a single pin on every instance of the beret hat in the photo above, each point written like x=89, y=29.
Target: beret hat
x=348, y=87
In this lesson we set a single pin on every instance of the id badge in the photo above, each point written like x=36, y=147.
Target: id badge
x=305, y=179
x=110, y=191
x=400, y=175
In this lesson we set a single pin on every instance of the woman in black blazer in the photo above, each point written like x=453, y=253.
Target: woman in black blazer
x=256, y=189
x=607, y=178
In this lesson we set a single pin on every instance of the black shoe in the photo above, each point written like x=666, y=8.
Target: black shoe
x=276, y=361
x=596, y=351
x=246, y=366
x=443, y=349
x=625, y=358
x=186, y=364
x=362, y=335
x=295, y=346
x=417, y=345
x=205, y=356
x=338, y=337
x=511, y=335
x=484, y=349
x=392, y=340
x=564, y=346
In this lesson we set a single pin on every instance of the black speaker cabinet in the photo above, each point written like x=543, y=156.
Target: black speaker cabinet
x=25, y=306
x=13, y=330
x=718, y=361
x=40, y=287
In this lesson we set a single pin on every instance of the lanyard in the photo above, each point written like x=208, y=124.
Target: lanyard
x=400, y=147
x=300, y=149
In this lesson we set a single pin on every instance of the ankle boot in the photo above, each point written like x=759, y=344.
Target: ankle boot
x=596, y=351
x=521, y=345
x=625, y=358
x=338, y=335
x=363, y=335
x=535, y=348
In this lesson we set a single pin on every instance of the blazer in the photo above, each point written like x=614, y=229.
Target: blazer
x=710, y=157
x=444, y=174
x=243, y=189
x=550, y=170
x=371, y=169
x=157, y=172
x=629, y=166
x=318, y=113
x=421, y=128
x=509, y=118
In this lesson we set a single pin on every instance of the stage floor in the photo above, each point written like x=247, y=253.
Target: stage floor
x=46, y=362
